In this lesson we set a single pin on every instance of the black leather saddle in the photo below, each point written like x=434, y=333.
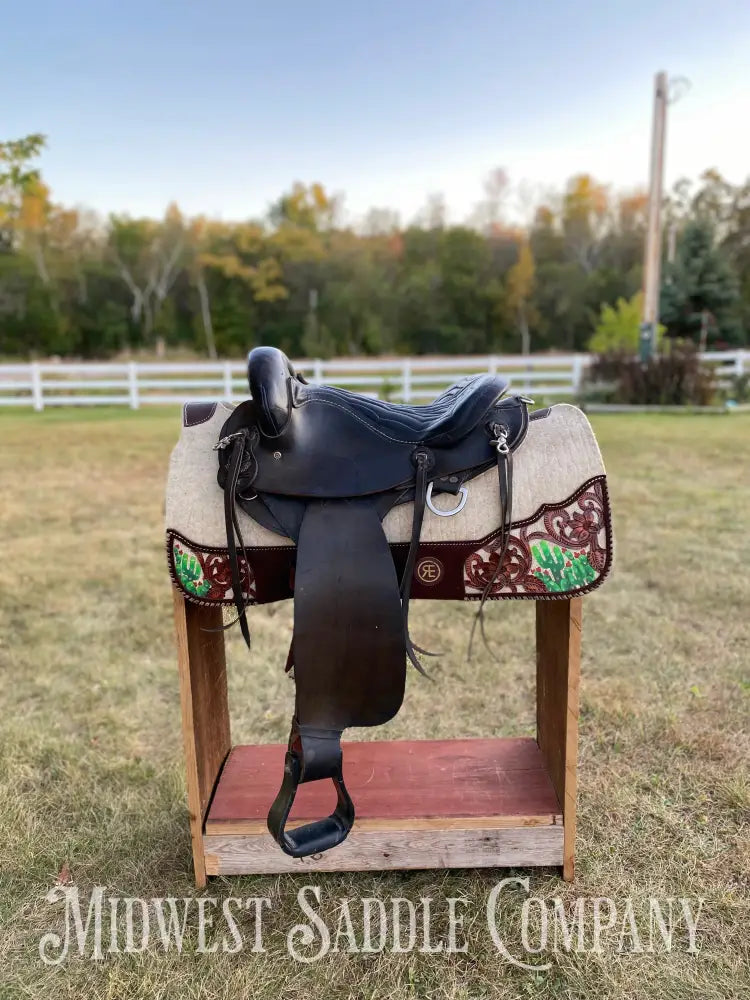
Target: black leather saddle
x=323, y=466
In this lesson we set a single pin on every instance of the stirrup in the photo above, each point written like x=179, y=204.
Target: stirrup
x=321, y=834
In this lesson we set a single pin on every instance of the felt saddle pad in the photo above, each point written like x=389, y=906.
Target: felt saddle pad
x=561, y=536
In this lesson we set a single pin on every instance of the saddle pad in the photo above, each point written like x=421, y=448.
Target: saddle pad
x=561, y=536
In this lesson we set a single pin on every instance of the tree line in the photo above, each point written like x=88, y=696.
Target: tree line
x=72, y=284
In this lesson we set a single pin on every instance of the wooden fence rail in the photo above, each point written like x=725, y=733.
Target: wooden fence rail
x=136, y=384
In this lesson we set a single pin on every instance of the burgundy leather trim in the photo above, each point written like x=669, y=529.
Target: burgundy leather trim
x=273, y=565
x=273, y=570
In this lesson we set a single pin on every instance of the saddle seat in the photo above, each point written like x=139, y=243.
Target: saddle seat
x=448, y=419
x=278, y=390
x=324, y=442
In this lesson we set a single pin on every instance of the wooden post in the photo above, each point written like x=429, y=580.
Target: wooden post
x=576, y=376
x=133, y=385
x=406, y=382
x=37, y=393
x=558, y=671
x=205, y=711
x=228, y=383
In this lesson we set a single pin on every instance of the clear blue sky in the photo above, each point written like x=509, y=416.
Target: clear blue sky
x=221, y=105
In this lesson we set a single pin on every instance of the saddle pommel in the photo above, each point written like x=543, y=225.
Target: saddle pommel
x=270, y=374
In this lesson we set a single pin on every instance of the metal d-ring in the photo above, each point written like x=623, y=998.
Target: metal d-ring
x=447, y=513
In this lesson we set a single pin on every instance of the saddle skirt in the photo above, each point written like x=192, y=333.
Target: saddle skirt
x=352, y=505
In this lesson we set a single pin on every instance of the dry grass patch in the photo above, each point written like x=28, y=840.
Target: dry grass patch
x=90, y=757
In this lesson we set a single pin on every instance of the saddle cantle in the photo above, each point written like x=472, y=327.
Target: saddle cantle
x=323, y=467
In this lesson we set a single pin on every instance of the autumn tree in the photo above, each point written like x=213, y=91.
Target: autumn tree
x=584, y=218
x=496, y=191
x=17, y=177
x=303, y=280
x=147, y=255
x=520, y=285
x=309, y=207
x=197, y=256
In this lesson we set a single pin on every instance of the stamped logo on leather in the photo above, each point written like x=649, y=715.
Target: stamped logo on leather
x=429, y=571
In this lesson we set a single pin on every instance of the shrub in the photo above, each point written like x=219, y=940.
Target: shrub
x=619, y=326
x=739, y=389
x=675, y=377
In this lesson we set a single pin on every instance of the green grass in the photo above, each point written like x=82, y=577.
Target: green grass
x=90, y=755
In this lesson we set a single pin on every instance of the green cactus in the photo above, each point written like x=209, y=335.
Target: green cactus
x=561, y=570
x=190, y=572
x=549, y=557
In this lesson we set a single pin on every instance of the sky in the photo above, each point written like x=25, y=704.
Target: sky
x=222, y=105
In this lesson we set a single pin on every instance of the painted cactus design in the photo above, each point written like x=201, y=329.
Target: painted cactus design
x=561, y=569
x=190, y=572
x=562, y=550
x=207, y=574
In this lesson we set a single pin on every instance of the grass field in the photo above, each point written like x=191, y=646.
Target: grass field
x=91, y=782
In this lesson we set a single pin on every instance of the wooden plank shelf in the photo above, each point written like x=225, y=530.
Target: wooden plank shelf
x=414, y=783
x=437, y=796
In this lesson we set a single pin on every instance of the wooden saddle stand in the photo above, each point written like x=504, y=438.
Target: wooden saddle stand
x=479, y=500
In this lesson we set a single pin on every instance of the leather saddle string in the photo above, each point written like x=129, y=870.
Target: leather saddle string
x=420, y=501
x=505, y=477
x=232, y=525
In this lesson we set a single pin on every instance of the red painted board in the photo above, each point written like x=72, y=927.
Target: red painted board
x=398, y=779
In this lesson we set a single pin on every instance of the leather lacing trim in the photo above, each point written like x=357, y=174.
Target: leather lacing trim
x=505, y=478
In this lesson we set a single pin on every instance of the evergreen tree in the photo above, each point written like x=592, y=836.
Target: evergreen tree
x=700, y=290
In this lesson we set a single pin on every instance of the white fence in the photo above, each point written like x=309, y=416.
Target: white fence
x=136, y=384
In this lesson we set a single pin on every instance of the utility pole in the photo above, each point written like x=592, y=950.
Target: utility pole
x=652, y=259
